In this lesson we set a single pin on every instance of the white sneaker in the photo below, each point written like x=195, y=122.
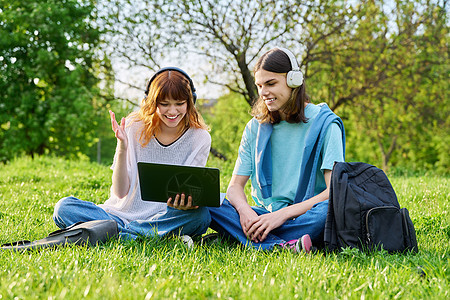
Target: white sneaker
x=187, y=240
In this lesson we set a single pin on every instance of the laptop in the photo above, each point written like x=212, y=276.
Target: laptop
x=159, y=182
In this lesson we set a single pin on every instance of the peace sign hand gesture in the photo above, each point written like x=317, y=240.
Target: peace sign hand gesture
x=119, y=131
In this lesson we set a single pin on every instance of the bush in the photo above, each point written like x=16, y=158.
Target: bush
x=227, y=120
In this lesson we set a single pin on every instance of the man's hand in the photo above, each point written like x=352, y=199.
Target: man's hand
x=247, y=218
x=264, y=224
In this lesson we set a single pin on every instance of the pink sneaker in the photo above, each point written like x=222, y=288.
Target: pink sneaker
x=306, y=243
x=296, y=246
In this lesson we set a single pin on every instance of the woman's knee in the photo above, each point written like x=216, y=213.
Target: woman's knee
x=321, y=208
x=202, y=214
x=63, y=208
x=225, y=210
x=202, y=219
x=64, y=205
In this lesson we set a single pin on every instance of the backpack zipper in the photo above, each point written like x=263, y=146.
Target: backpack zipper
x=368, y=240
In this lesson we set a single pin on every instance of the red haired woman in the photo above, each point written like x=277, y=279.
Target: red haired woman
x=166, y=129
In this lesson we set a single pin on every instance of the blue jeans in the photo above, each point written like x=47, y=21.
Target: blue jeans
x=225, y=220
x=192, y=222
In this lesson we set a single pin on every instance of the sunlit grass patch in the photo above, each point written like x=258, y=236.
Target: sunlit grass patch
x=153, y=268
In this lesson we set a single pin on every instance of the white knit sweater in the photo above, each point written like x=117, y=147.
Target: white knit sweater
x=191, y=149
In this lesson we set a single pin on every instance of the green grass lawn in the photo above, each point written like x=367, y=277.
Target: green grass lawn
x=162, y=269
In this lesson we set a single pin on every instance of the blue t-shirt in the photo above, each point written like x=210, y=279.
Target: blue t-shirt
x=287, y=142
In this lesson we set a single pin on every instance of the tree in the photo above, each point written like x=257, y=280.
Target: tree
x=408, y=59
x=49, y=90
x=358, y=56
x=332, y=37
x=229, y=35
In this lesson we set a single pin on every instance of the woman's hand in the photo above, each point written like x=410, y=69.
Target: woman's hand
x=119, y=131
x=264, y=224
x=180, y=202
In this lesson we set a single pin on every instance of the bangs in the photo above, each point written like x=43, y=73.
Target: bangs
x=275, y=61
x=172, y=85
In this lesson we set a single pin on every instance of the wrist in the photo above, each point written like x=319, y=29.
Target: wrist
x=121, y=147
x=285, y=214
x=243, y=208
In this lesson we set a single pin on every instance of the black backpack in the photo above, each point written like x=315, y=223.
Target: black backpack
x=364, y=212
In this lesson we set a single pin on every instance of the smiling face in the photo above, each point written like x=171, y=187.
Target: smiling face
x=273, y=90
x=171, y=112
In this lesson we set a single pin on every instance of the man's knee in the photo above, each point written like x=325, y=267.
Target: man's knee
x=226, y=209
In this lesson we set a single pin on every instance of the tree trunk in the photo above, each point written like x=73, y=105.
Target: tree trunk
x=249, y=81
x=386, y=155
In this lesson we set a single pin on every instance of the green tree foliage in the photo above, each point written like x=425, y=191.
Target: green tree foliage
x=227, y=120
x=105, y=142
x=401, y=68
x=48, y=88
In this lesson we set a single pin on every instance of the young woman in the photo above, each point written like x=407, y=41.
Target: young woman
x=167, y=129
x=287, y=151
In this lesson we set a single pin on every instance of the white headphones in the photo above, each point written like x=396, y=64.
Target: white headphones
x=294, y=78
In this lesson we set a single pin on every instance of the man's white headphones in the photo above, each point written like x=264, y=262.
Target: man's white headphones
x=294, y=78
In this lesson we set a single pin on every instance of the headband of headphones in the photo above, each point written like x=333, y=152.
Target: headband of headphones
x=191, y=83
x=294, y=78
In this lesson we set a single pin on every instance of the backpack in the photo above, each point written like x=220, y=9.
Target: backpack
x=364, y=212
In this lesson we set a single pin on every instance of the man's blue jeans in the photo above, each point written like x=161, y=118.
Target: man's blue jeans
x=225, y=220
x=192, y=222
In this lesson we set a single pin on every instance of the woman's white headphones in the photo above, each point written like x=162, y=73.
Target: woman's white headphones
x=294, y=78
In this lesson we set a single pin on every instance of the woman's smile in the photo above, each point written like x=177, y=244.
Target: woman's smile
x=172, y=117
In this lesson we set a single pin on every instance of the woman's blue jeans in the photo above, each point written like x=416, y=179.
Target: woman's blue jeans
x=192, y=222
x=225, y=220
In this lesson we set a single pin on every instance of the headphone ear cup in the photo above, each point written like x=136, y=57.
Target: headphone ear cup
x=294, y=79
x=194, y=97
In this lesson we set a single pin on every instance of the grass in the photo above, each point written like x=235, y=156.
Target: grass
x=165, y=269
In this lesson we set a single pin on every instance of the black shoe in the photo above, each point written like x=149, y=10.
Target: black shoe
x=210, y=238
